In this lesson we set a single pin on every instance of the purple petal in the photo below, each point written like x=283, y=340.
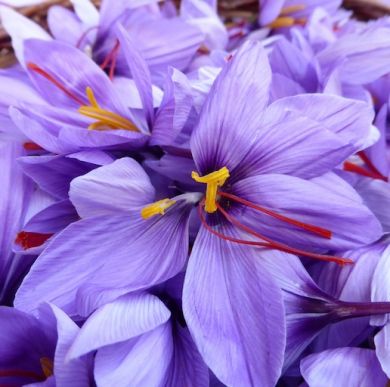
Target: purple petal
x=74, y=372
x=139, y=71
x=380, y=285
x=338, y=209
x=64, y=25
x=53, y=173
x=234, y=312
x=382, y=348
x=365, y=55
x=123, y=251
x=187, y=368
x=343, y=366
x=226, y=113
x=269, y=10
x=349, y=119
x=174, y=110
x=129, y=316
x=142, y=361
x=124, y=179
x=20, y=28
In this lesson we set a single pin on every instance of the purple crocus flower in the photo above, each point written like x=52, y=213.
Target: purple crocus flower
x=33, y=349
x=118, y=250
x=247, y=164
x=147, y=329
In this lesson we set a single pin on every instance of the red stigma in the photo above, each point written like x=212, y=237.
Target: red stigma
x=16, y=373
x=322, y=232
x=266, y=242
x=28, y=239
x=32, y=146
x=55, y=82
x=370, y=170
x=111, y=57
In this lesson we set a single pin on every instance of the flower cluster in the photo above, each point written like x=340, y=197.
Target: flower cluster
x=193, y=200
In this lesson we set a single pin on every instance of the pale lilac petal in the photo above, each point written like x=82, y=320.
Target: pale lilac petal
x=382, y=348
x=380, y=290
x=269, y=10
x=365, y=55
x=142, y=361
x=139, y=71
x=343, y=367
x=76, y=371
x=64, y=25
x=174, y=110
x=226, y=125
x=123, y=251
x=188, y=367
x=125, y=180
x=293, y=144
x=376, y=196
x=320, y=203
x=234, y=312
x=20, y=28
x=128, y=316
x=349, y=119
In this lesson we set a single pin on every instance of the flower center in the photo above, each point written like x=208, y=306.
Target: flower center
x=211, y=204
x=286, y=20
x=213, y=180
x=105, y=118
x=156, y=208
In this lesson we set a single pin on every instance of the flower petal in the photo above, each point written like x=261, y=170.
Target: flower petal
x=234, y=312
x=76, y=371
x=128, y=316
x=226, y=125
x=123, y=251
x=20, y=28
x=124, y=179
x=142, y=361
x=325, y=202
x=343, y=366
x=139, y=72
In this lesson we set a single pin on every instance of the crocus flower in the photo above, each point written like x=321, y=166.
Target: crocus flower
x=111, y=242
x=142, y=328
x=33, y=349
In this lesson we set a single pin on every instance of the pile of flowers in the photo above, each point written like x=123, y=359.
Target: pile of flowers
x=191, y=200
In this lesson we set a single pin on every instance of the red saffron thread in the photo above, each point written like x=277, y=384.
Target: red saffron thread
x=269, y=243
x=21, y=373
x=322, y=232
x=32, y=146
x=54, y=81
x=351, y=167
x=28, y=239
x=370, y=165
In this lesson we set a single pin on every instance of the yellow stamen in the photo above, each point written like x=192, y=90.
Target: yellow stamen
x=280, y=22
x=47, y=366
x=213, y=180
x=156, y=208
x=104, y=118
x=291, y=9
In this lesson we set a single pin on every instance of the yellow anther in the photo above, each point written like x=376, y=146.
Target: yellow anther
x=213, y=180
x=291, y=9
x=156, y=208
x=104, y=118
x=283, y=21
x=47, y=366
